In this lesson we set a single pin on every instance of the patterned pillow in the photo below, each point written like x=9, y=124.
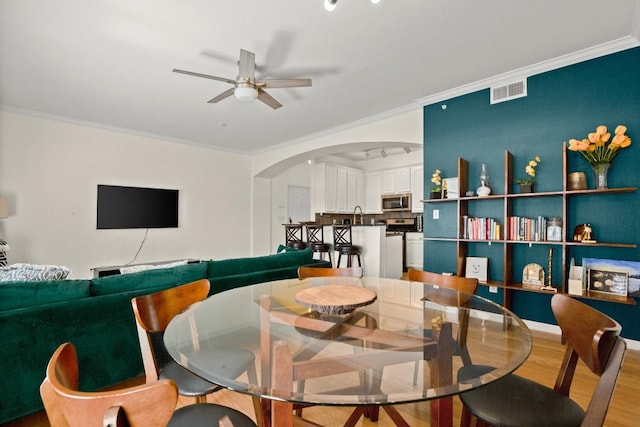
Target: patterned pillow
x=33, y=272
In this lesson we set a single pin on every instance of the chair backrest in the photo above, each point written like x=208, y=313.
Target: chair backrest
x=315, y=233
x=66, y=406
x=342, y=235
x=594, y=338
x=304, y=272
x=292, y=233
x=153, y=312
x=461, y=284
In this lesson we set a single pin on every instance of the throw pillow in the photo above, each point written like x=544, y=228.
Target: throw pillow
x=33, y=272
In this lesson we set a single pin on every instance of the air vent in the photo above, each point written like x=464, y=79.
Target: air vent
x=509, y=91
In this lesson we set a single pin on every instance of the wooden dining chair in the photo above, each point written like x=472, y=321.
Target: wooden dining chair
x=153, y=312
x=592, y=337
x=306, y=272
x=465, y=285
x=151, y=404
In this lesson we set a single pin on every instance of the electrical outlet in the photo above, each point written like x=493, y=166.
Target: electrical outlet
x=493, y=289
x=436, y=214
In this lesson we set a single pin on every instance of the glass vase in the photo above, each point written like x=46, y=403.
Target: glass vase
x=600, y=171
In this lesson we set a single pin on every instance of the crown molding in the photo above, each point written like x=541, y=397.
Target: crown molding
x=541, y=67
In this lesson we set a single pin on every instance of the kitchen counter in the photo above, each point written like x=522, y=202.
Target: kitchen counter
x=376, y=250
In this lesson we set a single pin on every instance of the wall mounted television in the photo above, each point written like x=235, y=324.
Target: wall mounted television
x=136, y=207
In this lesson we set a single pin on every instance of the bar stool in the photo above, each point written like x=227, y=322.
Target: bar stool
x=342, y=244
x=293, y=236
x=315, y=240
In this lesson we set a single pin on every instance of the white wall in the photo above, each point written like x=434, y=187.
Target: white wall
x=49, y=170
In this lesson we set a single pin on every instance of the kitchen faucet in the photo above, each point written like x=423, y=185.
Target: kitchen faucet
x=354, y=215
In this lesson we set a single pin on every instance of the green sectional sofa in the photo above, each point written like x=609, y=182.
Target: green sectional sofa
x=96, y=316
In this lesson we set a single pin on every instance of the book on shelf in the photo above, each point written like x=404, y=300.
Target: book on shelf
x=527, y=229
x=481, y=228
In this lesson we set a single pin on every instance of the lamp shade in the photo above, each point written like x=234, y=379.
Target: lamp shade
x=245, y=93
x=4, y=208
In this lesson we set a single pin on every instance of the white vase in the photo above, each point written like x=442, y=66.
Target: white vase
x=483, y=191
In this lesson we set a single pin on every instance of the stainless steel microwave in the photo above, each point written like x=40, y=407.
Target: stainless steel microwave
x=396, y=202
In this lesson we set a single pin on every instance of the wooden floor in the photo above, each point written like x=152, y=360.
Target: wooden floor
x=542, y=366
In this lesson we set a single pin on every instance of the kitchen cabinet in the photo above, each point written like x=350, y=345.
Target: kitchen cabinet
x=373, y=242
x=396, y=180
x=414, y=250
x=337, y=189
x=354, y=190
x=417, y=189
x=342, y=187
x=373, y=190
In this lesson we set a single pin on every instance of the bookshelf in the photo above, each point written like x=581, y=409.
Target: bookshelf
x=498, y=209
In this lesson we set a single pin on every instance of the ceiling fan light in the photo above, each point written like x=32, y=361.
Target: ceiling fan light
x=245, y=93
x=330, y=5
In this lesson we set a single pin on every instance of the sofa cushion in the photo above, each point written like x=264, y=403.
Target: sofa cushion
x=235, y=266
x=29, y=294
x=34, y=272
x=156, y=279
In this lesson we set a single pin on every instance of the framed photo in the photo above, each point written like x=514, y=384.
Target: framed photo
x=614, y=283
x=477, y=268
x=631, y=267
x=453, y=187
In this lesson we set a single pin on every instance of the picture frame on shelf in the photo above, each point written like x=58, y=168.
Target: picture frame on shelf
x=533, y=276
x=453, y=187
x=612, y=282
x=631, y=267
x=477, y=268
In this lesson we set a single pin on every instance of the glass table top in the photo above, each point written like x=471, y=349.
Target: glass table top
x=405, y=346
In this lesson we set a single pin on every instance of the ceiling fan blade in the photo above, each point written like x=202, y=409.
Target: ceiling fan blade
x=204, y=76
x=275, y=83
x=227, y=93
x=247, y=65
x=268, y=99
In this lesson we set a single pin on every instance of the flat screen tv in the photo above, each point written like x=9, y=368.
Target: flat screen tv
x=136, y=207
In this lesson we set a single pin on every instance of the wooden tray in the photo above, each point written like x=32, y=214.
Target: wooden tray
x=335, y=299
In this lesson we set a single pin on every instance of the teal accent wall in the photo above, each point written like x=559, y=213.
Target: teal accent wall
x=561, y=104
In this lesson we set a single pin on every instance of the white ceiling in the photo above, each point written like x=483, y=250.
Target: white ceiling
x=109, y=62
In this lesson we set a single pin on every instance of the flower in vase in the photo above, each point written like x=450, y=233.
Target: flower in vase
x=595, y=149
x=437, y=181
x=530, y=170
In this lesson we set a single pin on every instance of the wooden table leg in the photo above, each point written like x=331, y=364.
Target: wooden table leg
x=282, y=412
x=442, y=375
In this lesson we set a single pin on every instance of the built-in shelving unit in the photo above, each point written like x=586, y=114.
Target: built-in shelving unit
x=563, y=198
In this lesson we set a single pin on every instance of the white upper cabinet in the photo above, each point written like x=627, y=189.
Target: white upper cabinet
x=417, y=188
x=396, y=180
x=373, y=199
x=338, y=189
x=342, y=188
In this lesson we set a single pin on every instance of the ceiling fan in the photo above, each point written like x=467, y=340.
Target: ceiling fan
x=245, y=87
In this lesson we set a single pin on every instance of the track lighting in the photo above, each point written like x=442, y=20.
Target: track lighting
x=383, y=153
x=330, y=5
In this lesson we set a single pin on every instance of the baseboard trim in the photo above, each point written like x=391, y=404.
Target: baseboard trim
x=555, y=329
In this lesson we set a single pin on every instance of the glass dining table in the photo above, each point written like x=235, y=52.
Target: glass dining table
x=366, y=342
